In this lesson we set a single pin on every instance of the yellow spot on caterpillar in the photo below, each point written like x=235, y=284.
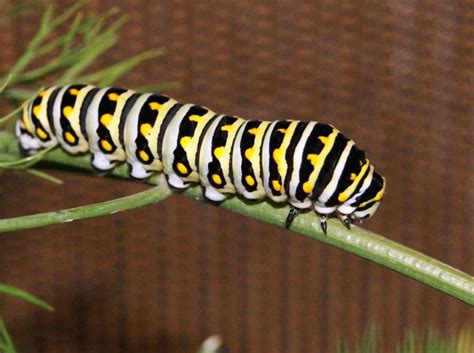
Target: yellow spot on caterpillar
x=282, y=130
x=195, y=118
x=278, y=156
x=313, y=158
x=155, y=106
x=253, y=131
x=113, y=96
x=182, y=168
x=185, y=141
x=249, y=153
x=74, y=91
x=144, y=156
x=228, y=128
x=145, y=129
x=276, y=185
x=42, y=94
x=216, y=179
x=323, y=139
x=343, y=196
x=106, y=145
x=307, y=187
x=219, y=152
x=67, y=111
x=250, y=180
x=36, y=110
x=106, y=119
x=69, y=137
x=41, y=133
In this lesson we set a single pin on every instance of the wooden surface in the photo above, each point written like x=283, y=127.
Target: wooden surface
x=397, y=77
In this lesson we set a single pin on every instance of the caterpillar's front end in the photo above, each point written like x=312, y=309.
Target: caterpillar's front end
x=29, y=144
x=33, y=128
x=369, y=201
x=366, y=201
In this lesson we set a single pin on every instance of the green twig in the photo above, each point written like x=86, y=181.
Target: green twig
x=140, y=199
x=357, y=241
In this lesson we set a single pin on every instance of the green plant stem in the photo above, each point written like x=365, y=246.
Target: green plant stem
x=140, y=199
x=358, y=241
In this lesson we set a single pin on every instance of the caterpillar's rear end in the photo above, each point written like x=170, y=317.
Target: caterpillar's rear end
x=305, y=164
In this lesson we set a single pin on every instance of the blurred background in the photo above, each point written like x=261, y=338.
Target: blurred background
x=395, y=76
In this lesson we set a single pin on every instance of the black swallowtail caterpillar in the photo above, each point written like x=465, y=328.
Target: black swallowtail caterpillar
x=307, y=164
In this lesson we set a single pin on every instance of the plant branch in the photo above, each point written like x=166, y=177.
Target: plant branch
x=358, y=241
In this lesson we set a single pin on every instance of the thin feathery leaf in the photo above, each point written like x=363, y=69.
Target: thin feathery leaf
x=66, y=15
x=21, y=294
x=26, y=162
x=159, y=87
x=6, y=82
x=96, y=48
x=10, y=115
x=42, y=175
x=7, y=343
x=19, y=94
x=29, y=53
x=110, y=74
x=70, y=35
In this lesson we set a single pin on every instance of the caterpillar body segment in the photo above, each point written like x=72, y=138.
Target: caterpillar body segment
x=305, y=164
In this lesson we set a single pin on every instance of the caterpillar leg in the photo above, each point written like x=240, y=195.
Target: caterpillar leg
x=212, y=194
x=292, y=214
x=323, y=213
x=24, y=152
x=137, y=171
x=323, y=219
x=345, y=220
x=100, y=164
x=176, y=182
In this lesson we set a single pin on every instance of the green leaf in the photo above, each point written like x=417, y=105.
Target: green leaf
x=26, y=162
x=43, y=175
x=6, y=343
x=10, y=115
x=18, y=293
x=159, y=87
x=110, y=74
x=6, y=82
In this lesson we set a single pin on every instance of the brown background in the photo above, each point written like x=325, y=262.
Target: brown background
x=396, y=76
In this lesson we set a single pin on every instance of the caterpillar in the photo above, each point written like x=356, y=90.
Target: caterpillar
x=304, y=163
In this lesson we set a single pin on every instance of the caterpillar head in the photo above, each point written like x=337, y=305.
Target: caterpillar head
x=369, y=201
